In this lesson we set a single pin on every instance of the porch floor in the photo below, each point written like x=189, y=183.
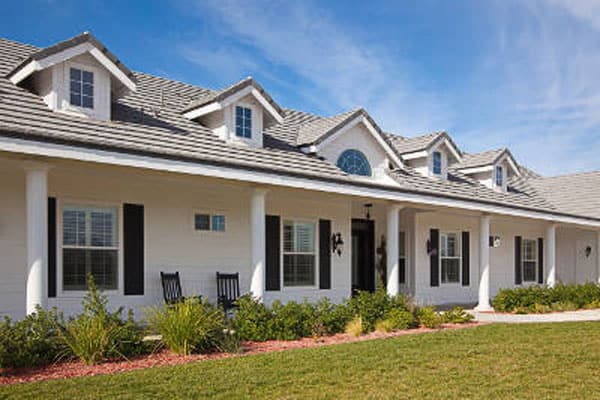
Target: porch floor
x=566, y=316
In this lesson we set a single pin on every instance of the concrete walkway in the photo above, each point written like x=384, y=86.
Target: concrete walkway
x=583, y=315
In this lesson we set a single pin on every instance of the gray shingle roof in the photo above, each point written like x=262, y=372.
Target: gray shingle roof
x=405, y=145
x=575, y=193
x=149, y=122
x=471, y=160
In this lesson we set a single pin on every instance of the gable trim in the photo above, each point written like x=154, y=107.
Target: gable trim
x=351, y=123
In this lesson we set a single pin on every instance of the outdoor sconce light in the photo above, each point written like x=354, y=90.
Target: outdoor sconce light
x=495, y=241
x=430, y=249
x=588, y=251
x=368, y=210
x=337, y=243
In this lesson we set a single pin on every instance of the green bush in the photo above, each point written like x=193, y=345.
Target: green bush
x=543, y=298
x=385, y=326
x=190, y=326
x=97, y=334
x=401, y=319
x=31, y=341
x=429, y=318
x=457, y=316
x=252, y=320
x=375, y=306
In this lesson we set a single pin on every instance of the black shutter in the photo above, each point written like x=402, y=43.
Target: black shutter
x=324, y=254
x=518, y=276
x=541, y=261
x=51, y=247
x=402, y=270
x=273, y=251
x=133, y=245
x=466, y=259
x=434, y=257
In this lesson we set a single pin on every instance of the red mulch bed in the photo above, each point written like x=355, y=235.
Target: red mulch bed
x=74, y=369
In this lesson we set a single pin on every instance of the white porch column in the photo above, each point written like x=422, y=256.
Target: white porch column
x=37, y=236
x=484, y=265
x=551, y=255
x=598, y=254
x=257, y=224
x=393, y=239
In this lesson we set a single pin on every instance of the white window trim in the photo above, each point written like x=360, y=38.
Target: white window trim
x=460, y=258
x=210, y=215
x=441, y=173
x=254, y=115
x=66, y=201
x=252, y=122
x=499, y=169
x=536, y=258
x=66, y=106
x=283, y=287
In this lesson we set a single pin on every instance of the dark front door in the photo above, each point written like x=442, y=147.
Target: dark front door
x=363, y=255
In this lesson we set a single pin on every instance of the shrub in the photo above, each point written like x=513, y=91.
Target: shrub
x=385, y=325
x=330, y=318
x=252, y=320
x=97, y=334
x=401, y=319
x=375, y=306
x=429, y=318
x=457, y=316
x=355, y=327
x=31, y=341
x=540, y=298
x=189, y=326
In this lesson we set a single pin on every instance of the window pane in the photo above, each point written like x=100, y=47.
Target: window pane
x=75, y=74
x=202, y=222
x=87, y=89
x=218, y=223
x=87, y=76
x=87, y=102
x=75, y=87
x=402, y=244
x=305, y=237
x=77, y=263
x=288, y=236
x=74, y=269
x=247, y=113
x=239, y=112
x=298, y=270
x=450, y=270
x=103, y=228
x=73, y=227
x=75, y=99
x=529, y=272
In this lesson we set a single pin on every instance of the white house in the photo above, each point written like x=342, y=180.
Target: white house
x=124, y=175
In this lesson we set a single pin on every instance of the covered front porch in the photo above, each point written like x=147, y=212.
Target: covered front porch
x=62, y=219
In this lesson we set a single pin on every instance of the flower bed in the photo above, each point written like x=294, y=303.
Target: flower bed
x=72, y=369
x=197, y=328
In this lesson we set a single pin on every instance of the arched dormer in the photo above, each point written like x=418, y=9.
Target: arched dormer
x=354, y=162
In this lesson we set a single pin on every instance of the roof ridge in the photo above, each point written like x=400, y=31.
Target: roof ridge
x=574, y=174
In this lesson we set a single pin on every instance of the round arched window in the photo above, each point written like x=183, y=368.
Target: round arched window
x=354, y=162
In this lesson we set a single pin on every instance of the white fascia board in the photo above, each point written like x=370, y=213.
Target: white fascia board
x=371, y=129
x=21, y=146
x=511, y=162
x=415, y=155
x=207, y=109
x=453, y=149
x=475, y=170
x=261, y=99
x=67, y=54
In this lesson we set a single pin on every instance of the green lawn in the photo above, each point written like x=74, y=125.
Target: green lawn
x=493, y=361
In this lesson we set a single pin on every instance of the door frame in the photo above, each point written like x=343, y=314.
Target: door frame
x=366, y=228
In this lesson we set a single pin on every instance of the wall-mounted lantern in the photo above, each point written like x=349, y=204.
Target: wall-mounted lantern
x=337, y=243
x=588, y=251
x=495, y=241
x=368, y=211
x=431, y=250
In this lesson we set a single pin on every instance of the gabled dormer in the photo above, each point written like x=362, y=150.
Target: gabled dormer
x=78, y=76
x=353, y=142
x=491, y=168
x=238, y=114
x=430, y=155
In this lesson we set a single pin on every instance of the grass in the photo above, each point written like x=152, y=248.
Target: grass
x=536, y=361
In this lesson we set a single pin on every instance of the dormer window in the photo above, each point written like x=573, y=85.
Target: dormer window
x=499, y=176
x=243, y=122
x=81, y=88
x=354, y=162
x=437, y=163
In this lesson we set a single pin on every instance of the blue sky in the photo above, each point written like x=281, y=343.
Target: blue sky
x=521, y=74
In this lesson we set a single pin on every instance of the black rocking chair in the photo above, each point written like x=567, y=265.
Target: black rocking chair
x=171, y=287
x=228, y=290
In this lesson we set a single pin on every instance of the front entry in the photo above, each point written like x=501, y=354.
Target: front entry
x=363, y=255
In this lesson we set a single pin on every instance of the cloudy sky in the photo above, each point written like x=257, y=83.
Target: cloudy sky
x=521, y=74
